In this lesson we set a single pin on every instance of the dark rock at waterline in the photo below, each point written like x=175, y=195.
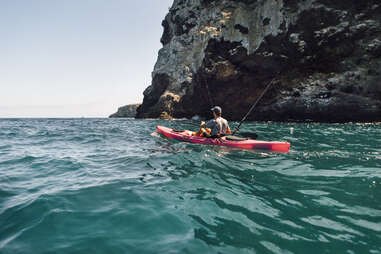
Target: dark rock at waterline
x=126, y=111
x=325, y=55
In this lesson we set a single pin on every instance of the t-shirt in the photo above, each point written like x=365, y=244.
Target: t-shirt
x=218, y=126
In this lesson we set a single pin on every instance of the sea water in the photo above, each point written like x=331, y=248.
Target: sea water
x=115, y=186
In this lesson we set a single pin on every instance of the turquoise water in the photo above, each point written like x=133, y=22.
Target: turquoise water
x=114, y=186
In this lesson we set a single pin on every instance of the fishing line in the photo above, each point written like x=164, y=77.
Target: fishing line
x=211, y=103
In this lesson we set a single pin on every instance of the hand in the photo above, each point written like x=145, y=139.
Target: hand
x=202, y=124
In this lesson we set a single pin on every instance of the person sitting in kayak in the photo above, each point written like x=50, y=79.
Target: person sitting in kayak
x=216, y=127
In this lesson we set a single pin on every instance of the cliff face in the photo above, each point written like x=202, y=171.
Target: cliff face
x=325, y=57
x=126, y=111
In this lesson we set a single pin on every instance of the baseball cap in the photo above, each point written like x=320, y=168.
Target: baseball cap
x=216, y=109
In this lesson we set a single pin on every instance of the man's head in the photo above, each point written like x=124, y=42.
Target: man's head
x=217, y=111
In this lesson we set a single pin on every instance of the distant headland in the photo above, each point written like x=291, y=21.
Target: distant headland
x=126, y=111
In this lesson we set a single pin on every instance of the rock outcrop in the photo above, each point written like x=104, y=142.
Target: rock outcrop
x=325, y=57
x=126, y=111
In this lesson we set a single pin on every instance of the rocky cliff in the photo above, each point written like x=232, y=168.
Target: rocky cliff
x=126, y=111
x=325, y=57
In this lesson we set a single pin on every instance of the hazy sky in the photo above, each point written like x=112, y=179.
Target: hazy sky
x=74, y=58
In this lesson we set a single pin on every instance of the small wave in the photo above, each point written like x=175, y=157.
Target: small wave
x=155, y=134
x=77, y=139
x=5, y=147
x=92, y=141
x=25, y=159
x=47, y=134
x=115, y=130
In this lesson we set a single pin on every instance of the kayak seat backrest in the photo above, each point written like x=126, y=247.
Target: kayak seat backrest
x=234, y=138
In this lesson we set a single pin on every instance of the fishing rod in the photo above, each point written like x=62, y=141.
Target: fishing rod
x=252, y=107
x=252, y=135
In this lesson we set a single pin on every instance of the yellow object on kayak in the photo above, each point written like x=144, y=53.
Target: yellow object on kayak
x=200, y=132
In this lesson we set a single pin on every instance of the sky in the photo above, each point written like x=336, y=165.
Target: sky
x=76, y=58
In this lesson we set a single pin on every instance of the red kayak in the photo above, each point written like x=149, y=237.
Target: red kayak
x=185, y=135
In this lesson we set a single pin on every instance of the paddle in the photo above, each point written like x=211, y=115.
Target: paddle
x=249, y=135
